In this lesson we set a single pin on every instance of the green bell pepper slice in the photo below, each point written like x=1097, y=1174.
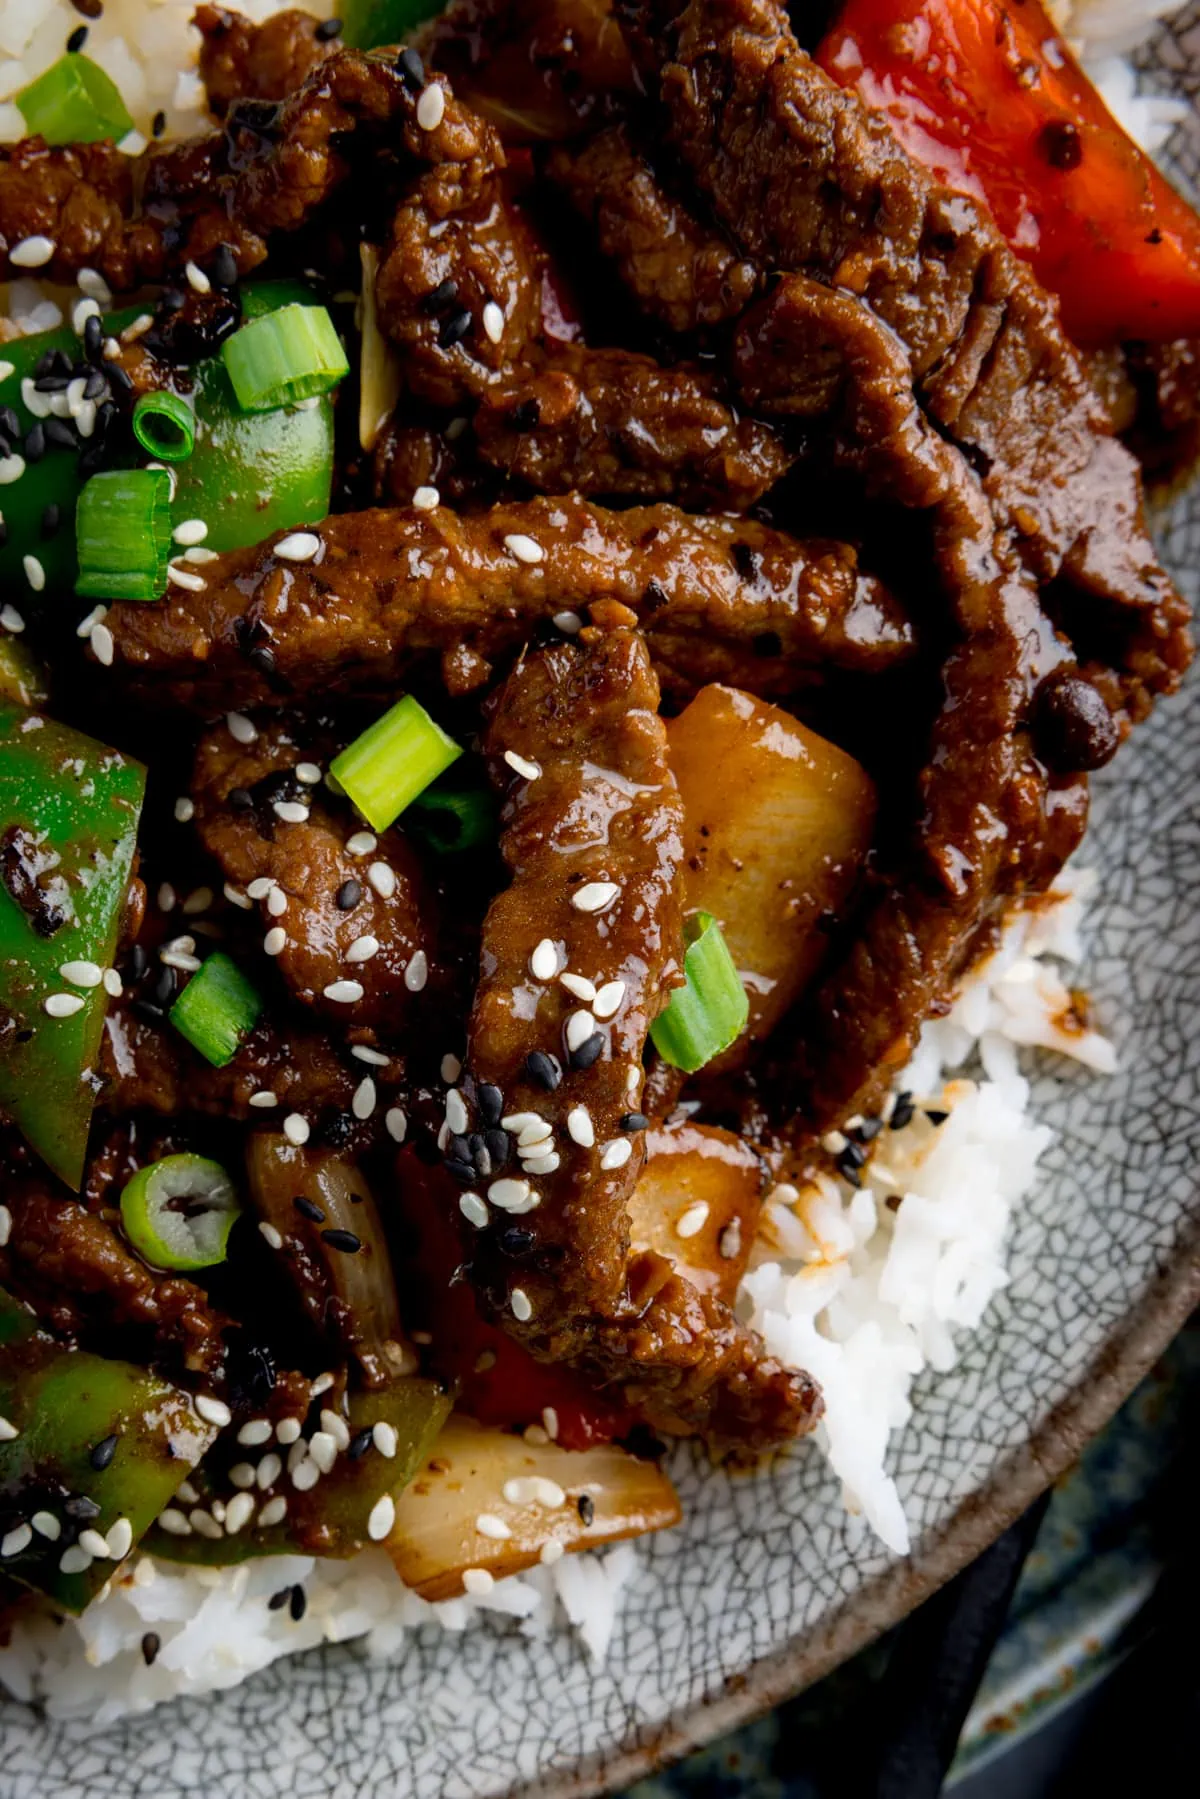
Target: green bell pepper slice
x=369, y=23
x=86, y=1430
x=330, y=1518
x=69, y=810
x=22, y=677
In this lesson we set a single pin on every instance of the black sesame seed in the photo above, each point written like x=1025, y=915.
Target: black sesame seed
x=903, y=1112
x=588, y=1051
x=60, y=364
x=136, y=963
x=515, y=1241
x=43, y=365
x=148, y=1013
x=327, y=29
x=299, y=1604
x=262, y=657
x=51, y=518
x=460, y=1147
x=935, y=1118
x=348, y=896
x=526, y=415
x=241, y=799
x=359, y=1445
x=223, y=267
x=411, y=69
x=35, y=443
x=93, y=387
x=118, y=378
x=585, y=1505
x=151, y=1644
x=452, y=330
x=543, y=1069
x=490, y=1101
x=93, y=342
x=635, y=1121
x=481, y=1155
x=853, y=1156
x=343, y=1240
x=3, y=533
x=173, y=300
x=5, y=446
x=77, y=39
x=440, y=297
x=60, y=433
x=81, y=1508
x=308, y=1209
x=499, y=1147
x=10, y=424
x=165, y=986
x=463, y=1172
x=868, y=1130
x=278, y=1600
x=102, y=1453
x=158, y=124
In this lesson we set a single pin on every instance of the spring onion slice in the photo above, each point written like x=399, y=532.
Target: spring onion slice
x=74, y=102
x=178, y=1213
x=369, y=23
x=456, y=813
x=705, y=1015
x=216, y=1010
x=165, y=426
x=283, y=357
x=393, y=761
x=123, y=534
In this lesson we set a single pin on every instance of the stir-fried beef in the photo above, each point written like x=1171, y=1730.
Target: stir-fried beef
x=593, y=845
x=723, y=599
x=240, y=60
x=612, y=423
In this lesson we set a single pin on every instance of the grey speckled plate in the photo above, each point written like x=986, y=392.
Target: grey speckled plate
x=766, y=1585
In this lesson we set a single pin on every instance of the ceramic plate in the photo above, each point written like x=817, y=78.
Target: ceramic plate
x=766, y=1584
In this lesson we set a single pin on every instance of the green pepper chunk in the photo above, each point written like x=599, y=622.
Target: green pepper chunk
x=69, y=812
x=86, y=1430
x=330, y=1518
x=22, y=677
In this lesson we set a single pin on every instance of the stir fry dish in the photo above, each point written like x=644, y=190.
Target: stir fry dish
x=567, y=566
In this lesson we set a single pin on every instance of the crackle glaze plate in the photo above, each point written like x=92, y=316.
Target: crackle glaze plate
x=766, y=1584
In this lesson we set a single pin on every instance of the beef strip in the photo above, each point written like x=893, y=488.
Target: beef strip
x=612, y=423
x=237, y=788
x=602, y=810
x=806, y=178
x=240, y=60
x=684, y=274
x=723, y=599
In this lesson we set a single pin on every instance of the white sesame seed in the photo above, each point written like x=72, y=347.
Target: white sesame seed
x=62, y=1005
x=516, y=1121
x=363, y=1103
x=187, y=1492
x=431, y=108
x=213, y=1411
x=580, y=1026
x=274, y=1512
x=457, y=1116
x=81, y=312
x=287, y=1430
x=243, y=1474
x=384, y=1437
x=543, y=963
x=374, y=1057
x=32, y=252
x=425, y=499
x=539, y=1164
x=185, y=810
x=255, y=1432
x=166, y=897
x=308, y=773
x=519, y=1301
x=417, y=972
x=11, y=469
x=382, y=1518
x=474, y=1210
x=306, y=1476
x=269, y=1232
x=579, y=985
x=11, y=619
x=240, y=728
x=522, y=765
x=76, y=1559
x=172, y=1521
x=85, y=625
x=608, y=998
x=120, y=1539
x=238, y=1513
x=397, y=1124
x=580, y=1127
x=6, y=1430
x=516, y=1196
x=260, y=886
x=17, y=1539
x=382, y=878
x=237, y=898
x=264, y=1101
x=110, y=980
x=337, y=1428
x=616, y=1153
x=493, y=321
x=451, y=1067
x=102, y=644
x=275, y=940
x=179, y=958
x=81, y=974
x=295, y=1129
x=362, y=949
x=833, y=1143
x=488, y=1525
x=191, y=531
x=7, y=369
x=477, y=1581
x=523, y=548
x=93, y=1544
x=568, y=623
x=323, y=1450
x=198, y=281
x=537, y=1131
x=343, y=993
x=296, y=1454
x=550, y=1552
x=550, y=1420
x=595, y=896
x=360, y=844
x=292, y=812
x=198, y=900
x=534, y=1489
x=92, y=283
x=298, y=546
x=729, y=1243
x=35, y=574
x=47, y=1525
x=183, y=577
x=691, y=1222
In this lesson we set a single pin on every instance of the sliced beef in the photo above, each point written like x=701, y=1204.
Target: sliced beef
x=685, y=275
x=615, y=424
x=722, y=599
x=593, y=844
x=241, y=60
x=262, y=823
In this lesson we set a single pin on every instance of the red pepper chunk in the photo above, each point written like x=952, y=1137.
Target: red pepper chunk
x=990, y=99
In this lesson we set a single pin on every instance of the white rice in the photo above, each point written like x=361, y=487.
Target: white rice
x=863, y=1296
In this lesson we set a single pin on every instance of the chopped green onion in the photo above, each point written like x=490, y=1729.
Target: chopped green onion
x=216, y=1010
x=178, y=1213
x=165, y=426
x=393, y=761
x=74, y=102
x=456, y=813
x=283, y=357
x=368, y=23
x=123, y=534
x=705, y=1015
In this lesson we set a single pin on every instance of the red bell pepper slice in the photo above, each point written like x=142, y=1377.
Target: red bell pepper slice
x=989, y=98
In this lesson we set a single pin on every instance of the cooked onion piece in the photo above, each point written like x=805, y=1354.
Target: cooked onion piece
x=696, y=1202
